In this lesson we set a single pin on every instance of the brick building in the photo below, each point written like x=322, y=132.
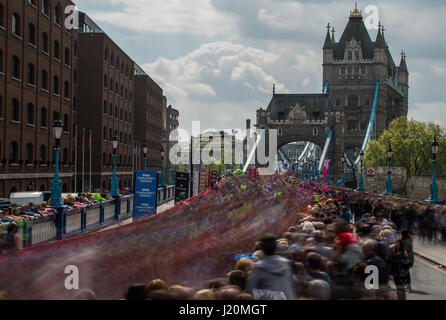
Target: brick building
x=106, y=87
x=148, y=124
x=38, y=75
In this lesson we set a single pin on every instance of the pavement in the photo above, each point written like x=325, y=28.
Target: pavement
x=434, y=251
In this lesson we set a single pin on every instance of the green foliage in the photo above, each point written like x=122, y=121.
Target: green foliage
x=411, y=143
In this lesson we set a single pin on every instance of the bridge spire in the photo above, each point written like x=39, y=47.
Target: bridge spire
x=274, y=88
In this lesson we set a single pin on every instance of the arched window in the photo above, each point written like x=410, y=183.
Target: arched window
x=13, y=190
x=112, y=59
x=2, y=15
x=66, y=123
x=106, y=54
x=45, y=7
x=15, y=110
x=14, y=152
x=31, y=74
x=65, y=156
x=66, y=89
x=42, y=154
x=29, y=157
x=111, y=109
x=57, y=14
x=42, y=187
x=74, y=103
x=16, y=24
x=110, y=134
x=31, y=34
x=116, y=112
x=104, y=162
x=104, y=133
x=350, y=55
x=111, y=84
x=76, y=49
x=57, y=49
x=105, y=107
x=353, y=101
x=43, y=117
x=56, y=116
x=15, y=67
x=67, y=57
x=121, y=114
x=1, y=61
x=45, y=42
x=105, y=81
x=56, y=88
x=30, y=114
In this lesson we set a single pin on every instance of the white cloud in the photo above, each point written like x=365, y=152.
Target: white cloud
x=429, y=112
x=221, y=81
x=197, y=17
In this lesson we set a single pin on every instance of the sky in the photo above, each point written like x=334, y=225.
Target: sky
x=217, y=60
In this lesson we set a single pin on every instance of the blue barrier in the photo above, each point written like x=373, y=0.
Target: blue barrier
x=69, y=222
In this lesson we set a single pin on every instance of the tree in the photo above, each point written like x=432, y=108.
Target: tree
x=411, y=143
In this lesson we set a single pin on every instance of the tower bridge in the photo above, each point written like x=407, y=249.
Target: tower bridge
x=364, y=90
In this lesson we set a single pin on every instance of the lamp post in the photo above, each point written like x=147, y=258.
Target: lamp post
x=328, y=172
x=342, y=170
x=56, y=184
x=301, y=166
x=389, y=189
x=313, y=173
x=114, y=181
x=162, y=167
x=434, y=187
x=317, y=170
x=361, y=179
x=145, y=149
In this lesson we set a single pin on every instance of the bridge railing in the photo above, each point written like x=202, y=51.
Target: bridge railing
x=74, y=221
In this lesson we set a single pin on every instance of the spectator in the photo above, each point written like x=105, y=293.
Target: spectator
x=136, y=292
x=272, y=273
x=314, y=265
x=319, y=290
x=238, y=278
x=371, y=258
x=320, y=248
x=85, y=295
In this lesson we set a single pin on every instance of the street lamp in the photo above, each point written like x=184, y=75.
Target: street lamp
x=361, y=179
x=114, y=181
x=162, y=166
x=434, y=187
x=328, y=172
x=343, y=170
x=313, y=173
x=145, y=149
x=301, y=166
x=56, y=184
x=317, y=169
x=389, y=188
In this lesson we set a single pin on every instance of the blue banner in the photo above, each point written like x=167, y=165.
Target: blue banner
x=145, y=202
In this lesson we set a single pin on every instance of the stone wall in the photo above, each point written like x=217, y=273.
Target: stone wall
x=416, y=187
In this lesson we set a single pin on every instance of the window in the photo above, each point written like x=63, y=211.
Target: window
x=56, y=116
x=76, y=49
x=57, y=14
x=67, y=57
x=111, y=110
x=29, y=153
x=356, y=71
x=350, y=56
x=15, y=110
x=106, y=54
x=1, y=61
x=74, y=103
x=116, y=87
x=30, y=114
x=363, y=70
x=16, y=24
x=44, y=83
x=342, y=70
x=104, y=133
x=353, y=101
x=43, y=117
x=42, y=154
x=352, y=125
x=75, y=76
x=279, y=131
x=349, y=70
x=31, y=74
x=66, y=123
x=130, y=117
x=356, y=54
x=110, y=134
x=45, y=7
x=105, y=107
x=116, y=112
x=66, y=89
x=120, y=114
x=15, y=67
x=45, y=42
x=112, y=59
x=2, y=15
x=105, y=81
x=31, y=34
x=56, y=85
x=338, y=102
x=56, y=50
x=13, y=152
x=367, y=102
x=111, y=84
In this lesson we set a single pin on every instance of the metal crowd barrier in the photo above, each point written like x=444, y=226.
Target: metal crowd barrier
x=69, y=222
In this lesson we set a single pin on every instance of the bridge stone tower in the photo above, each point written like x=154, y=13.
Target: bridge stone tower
x=351, y=66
